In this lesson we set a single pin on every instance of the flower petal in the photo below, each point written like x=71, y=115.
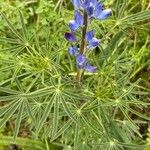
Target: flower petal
x=78, y=18
x=90, y=35
x=73, y=25
x=77, y=4
x=89, y=3
x=93, y=43
x=98, y=9
x=80, y=60
x=70, y=37
x=73, y=51
x=90, y=68
x=104, y=14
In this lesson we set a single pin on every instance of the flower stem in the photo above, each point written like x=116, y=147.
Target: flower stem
x=82, y=45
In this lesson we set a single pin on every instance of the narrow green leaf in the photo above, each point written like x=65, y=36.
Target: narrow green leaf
x=136, y=18
x=111, y=46
x=7, y=90
x=90, y=125
x=9, y=114
x=40, y=92
x=8, y=40
x=138, y=114
x=128, y=118
x=7, y=107
x=76, y=135
x=56, y=114
x=45, y=113
x=62, y=130
x=24, y=30
x=9, y=98
x=18, y=120
x=67, y=109
x=12, y=28
x=32, y=83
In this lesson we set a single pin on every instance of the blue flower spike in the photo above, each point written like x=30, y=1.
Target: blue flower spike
x=85, y=12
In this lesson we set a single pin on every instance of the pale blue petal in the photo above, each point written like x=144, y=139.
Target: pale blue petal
x=77, y=4
x=90, y=68
x=104, y=14
x=73, y=25
x=90, y=35
x=80, y=60
x=73, y=51
x=93, y=43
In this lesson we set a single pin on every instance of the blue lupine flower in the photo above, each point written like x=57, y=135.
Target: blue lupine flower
x=80, y=60
x=77, y=22
x=93, y=43
x=73, y=51
x=90, y=68
x=91, y=40
x=93, y=8
x=70, y=37
x=102, y=14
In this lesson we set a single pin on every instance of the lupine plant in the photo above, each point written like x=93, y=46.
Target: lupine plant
x=74, y=75
x=85, y=12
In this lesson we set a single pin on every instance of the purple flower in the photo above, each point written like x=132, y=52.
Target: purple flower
x=73, y=51
x=91, y=40
x=80, y=59
x=77, y=22
x=90, y=68
x=70, y=37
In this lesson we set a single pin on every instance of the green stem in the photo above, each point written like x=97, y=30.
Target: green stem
x=82, y=46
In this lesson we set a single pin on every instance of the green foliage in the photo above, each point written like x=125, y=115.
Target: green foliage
x=38, y=88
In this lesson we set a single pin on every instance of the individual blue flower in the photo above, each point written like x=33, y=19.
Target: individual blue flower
x=80, y=59
x=100, y=13
x=73, y=50
x=91, y=40
x=70, y=37
x=93, y=43
x=77, y=22
x=90, y=68
x=90, y=35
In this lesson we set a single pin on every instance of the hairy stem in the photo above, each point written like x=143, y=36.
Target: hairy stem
x=83, y=44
